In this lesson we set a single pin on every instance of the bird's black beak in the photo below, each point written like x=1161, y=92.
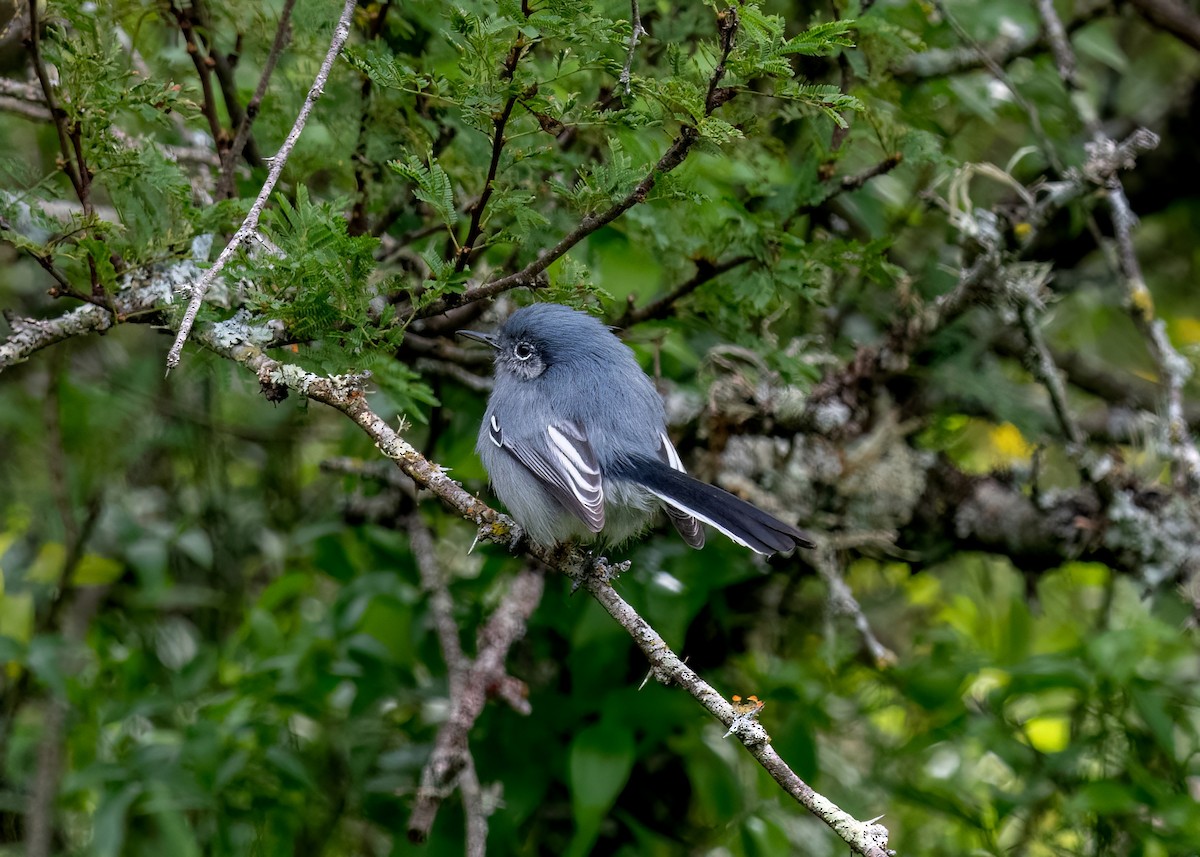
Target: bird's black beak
x=485, y=338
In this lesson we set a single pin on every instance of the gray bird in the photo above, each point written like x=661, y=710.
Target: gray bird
x=575, y=442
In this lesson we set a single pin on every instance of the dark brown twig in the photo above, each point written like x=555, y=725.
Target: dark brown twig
x=34, y=41
x=229, y=157
x=498, y=125
x=357, y=224
x=1171, y=16
x=706, y=272
x=221, y=64
x=204, y=72
x=676, y=153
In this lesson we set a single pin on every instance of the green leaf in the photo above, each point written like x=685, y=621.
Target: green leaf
x=95, y=570
x=599, y=763
x=821, y=39
x=433, y=185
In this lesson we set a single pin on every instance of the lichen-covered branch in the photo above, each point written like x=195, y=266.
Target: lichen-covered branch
x=250, y=225
x=863, y=837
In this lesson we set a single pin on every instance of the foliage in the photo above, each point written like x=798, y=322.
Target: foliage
x=258, y=673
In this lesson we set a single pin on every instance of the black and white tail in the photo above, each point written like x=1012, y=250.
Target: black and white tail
x=747, y=525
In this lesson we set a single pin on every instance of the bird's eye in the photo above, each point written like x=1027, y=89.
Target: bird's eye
x=523, y=351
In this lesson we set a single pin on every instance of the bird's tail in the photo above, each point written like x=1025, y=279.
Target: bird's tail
x=745, y=524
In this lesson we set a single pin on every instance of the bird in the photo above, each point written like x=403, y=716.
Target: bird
x=574, y=439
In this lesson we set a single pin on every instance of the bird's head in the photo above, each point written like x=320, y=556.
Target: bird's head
x=540, y=336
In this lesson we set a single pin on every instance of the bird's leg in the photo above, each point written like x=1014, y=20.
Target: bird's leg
x=600, y=569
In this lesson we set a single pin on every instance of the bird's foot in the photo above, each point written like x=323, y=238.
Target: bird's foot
x=598, y=569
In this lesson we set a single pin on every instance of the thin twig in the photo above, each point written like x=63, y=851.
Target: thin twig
x=842, y=601
x=209, y=107
x=475, y=810
x=706, y=271
x=250, y=225
x=34, y=41
x=1173, y=367
x=1060, y=46
x=45, y=260
x=1003, y=49
x=1172, y=16
x=229, y=158
x=224, y=71
x=357, y=224
x=70, y=139
x=1047, y=372
x=636, y=31
x=441, y=606
x=1105, y=159
x=498, y=125
x=998, y=72
x=672, y=158
x=29, y=110
x=468, y=696
x=864, y=838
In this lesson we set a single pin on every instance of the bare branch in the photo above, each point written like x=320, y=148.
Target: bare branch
x=220, y=63
x=250, y=225
x=209, y=107
x=831, y=406
x=706, y=271
x=1172, y=16
x=283, y=33
x=842, y=601
x=34, y=41
x=636, y=31
x=1003, y=49
x=1105, y=159
x=1173, y=367
x=30, y=110
x=1047, y=372
x=469, y=694
x=1060, y=46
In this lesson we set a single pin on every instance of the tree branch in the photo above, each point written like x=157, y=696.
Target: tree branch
x=229, y=158
x=636, y=31
x=1003, y=49
x=209, y=107
x=498, y=125
x=706, y=271
x=676, y=153
x=250, y=225
x=357, y=224
x=864, y=838
x=1105, y=161
x=224, y=71
x=470, y=686
x=1172, y=16
x=34, y=43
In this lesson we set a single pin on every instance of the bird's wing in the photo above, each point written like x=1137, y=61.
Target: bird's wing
x=687, y=526
x=564, y=462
